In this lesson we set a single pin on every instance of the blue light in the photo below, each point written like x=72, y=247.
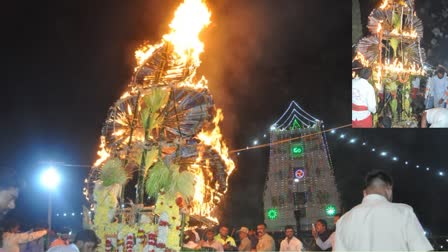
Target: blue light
x=73, y=214
x=332, y=131
x=65, y=214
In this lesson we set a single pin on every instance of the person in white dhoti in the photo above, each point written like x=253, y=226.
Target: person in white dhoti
x=438, y=88
x=436, y=117
x=377, y=224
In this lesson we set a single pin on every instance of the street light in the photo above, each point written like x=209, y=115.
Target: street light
x=50, y=179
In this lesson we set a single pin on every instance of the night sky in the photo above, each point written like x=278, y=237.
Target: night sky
x=65, y=62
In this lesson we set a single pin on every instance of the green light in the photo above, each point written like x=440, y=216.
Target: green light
x=330, y=210
x=272, y=214
x=296, y=125
x=296, y=149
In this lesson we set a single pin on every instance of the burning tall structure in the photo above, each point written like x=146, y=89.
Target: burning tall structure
x=300, y=187
x=394, y=53
x=161, y=139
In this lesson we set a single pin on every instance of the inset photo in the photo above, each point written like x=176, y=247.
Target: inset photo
x=399, y=64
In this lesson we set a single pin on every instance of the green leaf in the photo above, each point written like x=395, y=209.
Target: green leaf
x=158, y=178
x=181, y=182
x=396, y=21
x=151, y=155
x=113, y=172
x=394, y=44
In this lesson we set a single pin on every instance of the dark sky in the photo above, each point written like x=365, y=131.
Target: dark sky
x=65, y=62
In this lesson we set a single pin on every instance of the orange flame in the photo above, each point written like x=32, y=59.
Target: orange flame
x=102, y=153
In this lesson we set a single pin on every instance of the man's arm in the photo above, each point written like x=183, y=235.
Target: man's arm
x=27, y=237
x=416, y=239
x=424, y=123
x=326, y=244
x=371, y=100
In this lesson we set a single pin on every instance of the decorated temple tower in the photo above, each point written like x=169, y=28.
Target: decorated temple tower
x=300, y=186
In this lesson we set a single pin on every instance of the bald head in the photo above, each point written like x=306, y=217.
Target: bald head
x=379, y=182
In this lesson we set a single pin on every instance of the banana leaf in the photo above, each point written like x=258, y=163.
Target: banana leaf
x=394, y=44
x=113, y=172
x=394, y=105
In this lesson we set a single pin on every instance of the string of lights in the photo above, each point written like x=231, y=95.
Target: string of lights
x=350, y=140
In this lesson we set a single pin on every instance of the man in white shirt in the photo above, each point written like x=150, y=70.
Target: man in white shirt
x=265, y=241
x=85, y=241
x=290, y=243
x=437, y=117
x=438, y=87
x=363, y=100
x=378, y=224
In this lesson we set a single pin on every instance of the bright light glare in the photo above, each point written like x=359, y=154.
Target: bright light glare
x=383, y=153
x=255, y=142
x=406, y=162
x=332, y=131
x=352, y=140
x=342, y=136
x=373, y=149
x=50, y=178
x=394, y=158
x=441, y=173
x=296, y=180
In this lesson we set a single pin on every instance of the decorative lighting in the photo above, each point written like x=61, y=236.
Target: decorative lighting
x=73, y=214
x=383, y=154
x=330, y=210
x=296, y=180
x=406, y=163
x=342, y=136
x=364, y=144
x=441, y=173
x=427, y=168
x=264, y=135
x=332, y=131
x=57, y=214
x=50, y=178
x=81, y=213
x=417, y=166
x=65, y=214
x=373, y=149
x=273, y=127
x=238, y=153
x=272, y=214
x=353, y=140
x=394, y=158
x=255, y=142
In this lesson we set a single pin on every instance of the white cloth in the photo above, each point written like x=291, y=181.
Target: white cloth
x=191, y=245
x=363, y=94
x=438, y=89
x=11, y=241
x=329, y=243
x=67, y=248
x=377, y=225
x=293, y=245
x=416, y=82
x=437, y=117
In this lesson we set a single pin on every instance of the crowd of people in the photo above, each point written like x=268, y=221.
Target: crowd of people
x=376, y=224
x=429, y=97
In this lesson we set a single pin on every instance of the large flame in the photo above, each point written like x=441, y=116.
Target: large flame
x=191, y=17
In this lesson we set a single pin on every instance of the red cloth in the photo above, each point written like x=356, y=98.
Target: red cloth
x=359, y=107
x=365, y=123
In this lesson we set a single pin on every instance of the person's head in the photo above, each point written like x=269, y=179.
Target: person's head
x=356, y=66
x=365, y=73
x=336, y=217
x=189, y=236
x=243, y=232
x=261, y=229
x=12, y=226
x=224, y=231
x=440, y=73
x=384, y=122
x=379, y=182
x=86, y=240
x=251, y=231
x=210, y=235
x=321, y=226
x=65, y=234
x=9, y=191
x=289, y=231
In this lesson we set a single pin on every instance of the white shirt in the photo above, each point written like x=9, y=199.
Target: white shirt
x=416, y=82
x=363, y=94
x=11, y=241
x=437, y=117
x=438, y=89
x=67, y=248
x=329, y=243
x=377, y=224
x=293, y=245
